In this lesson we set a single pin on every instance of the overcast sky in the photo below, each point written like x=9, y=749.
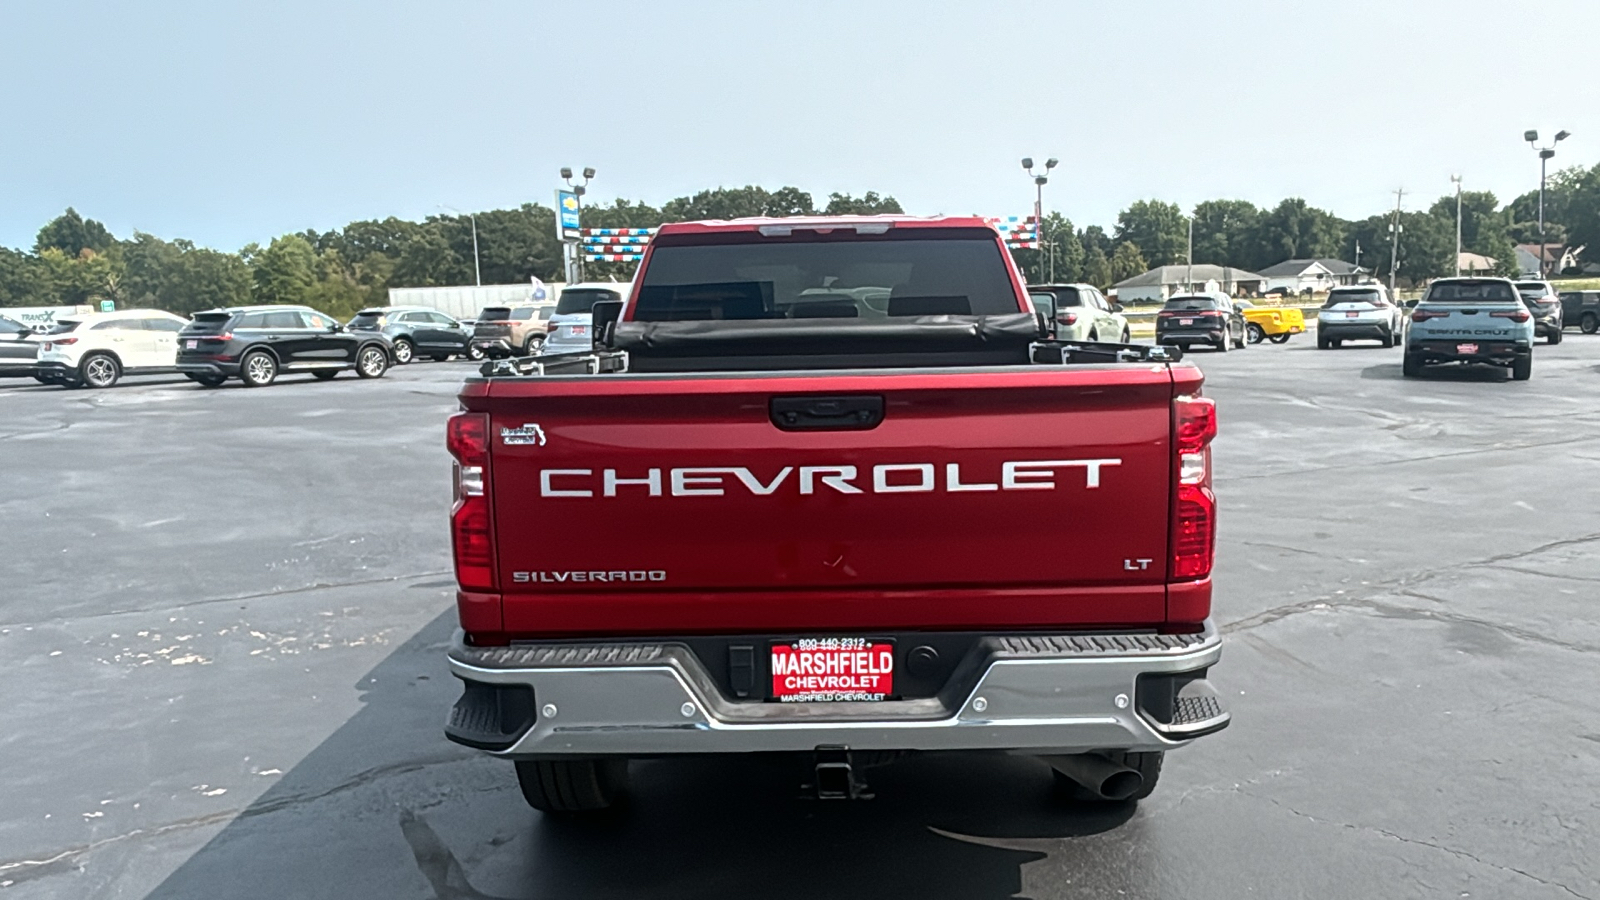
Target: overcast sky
x=229, y=122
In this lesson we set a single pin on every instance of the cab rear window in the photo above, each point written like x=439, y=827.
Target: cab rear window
x=814, y=277
x=1472, y=292
x=1190, y=303
x=1371, y=298
x=582, y=300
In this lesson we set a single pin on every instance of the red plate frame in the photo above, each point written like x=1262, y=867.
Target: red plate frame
x=831, y=670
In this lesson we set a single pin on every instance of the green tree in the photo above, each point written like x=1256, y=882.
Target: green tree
x=736, y=203
x=1427, y=246
x=1483, y=226
x=1295, y=230
x=1092, y=237
x=1223, y=231
x=1158, y=228
x=285, y=271
x=427, y=260
x=1060, y=248
x=1583, y=212
x=72, y=234
x=868, y=204
x=1127, y=262
x=1097, y=268
x=19, y=278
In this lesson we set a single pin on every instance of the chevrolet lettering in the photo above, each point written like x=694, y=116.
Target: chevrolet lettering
x=824, y=487
x=893, y=478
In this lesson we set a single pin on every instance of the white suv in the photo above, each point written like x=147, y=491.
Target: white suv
x=99, y=348
x=1360, y=312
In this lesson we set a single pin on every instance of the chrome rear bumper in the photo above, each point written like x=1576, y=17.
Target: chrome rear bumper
x=1055, y=694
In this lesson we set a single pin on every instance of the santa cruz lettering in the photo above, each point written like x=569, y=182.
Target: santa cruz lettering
x=890, y=478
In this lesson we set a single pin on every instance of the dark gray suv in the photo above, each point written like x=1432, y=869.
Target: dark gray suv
x=416, y=331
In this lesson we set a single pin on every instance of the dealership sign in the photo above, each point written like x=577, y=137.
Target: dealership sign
x=40, y=318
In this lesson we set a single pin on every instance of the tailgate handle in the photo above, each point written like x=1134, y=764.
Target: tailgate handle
x=856, y=413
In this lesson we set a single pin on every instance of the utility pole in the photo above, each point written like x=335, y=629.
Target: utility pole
x=1188, y=274
x=1394, y=232
x=1457, y=180
x=1358, y=255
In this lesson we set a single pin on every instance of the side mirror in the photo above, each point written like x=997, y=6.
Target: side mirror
x=335, y=328
x=603, y=317
x=1116, y=307
x=1410, y=304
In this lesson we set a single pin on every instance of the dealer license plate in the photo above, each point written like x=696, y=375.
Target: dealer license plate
x=1466, y=348
x=191, y=344
x=1352, y=315
x=834, y=669
x=578, y=329
x=1185, y=321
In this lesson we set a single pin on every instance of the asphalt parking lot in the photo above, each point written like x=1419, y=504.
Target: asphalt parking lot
x=224, y=615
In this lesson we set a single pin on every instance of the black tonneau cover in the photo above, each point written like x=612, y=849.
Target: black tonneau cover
x=728, y=344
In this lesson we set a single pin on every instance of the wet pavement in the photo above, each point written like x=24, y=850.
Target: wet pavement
x=223, y=614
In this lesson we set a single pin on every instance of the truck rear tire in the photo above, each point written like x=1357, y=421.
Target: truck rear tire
x=1522, y=368
x=1555, y=337
x=572, y=786
x=1147, y=764
x=1411, y=365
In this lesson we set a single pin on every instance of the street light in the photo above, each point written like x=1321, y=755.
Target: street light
x=1545, y=155
x=1457, y=180
x=477, y=271
x=1039, y=181
x=575, y=270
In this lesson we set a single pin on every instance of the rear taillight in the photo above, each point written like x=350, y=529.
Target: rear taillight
x=1194, y=531
x=471, y=531
x=1515, y=315
x=60, y=342
x=1067, y=318
x=551, y=327
x=1423, y=315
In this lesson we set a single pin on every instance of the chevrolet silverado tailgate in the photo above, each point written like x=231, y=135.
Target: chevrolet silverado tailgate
x=925, y=498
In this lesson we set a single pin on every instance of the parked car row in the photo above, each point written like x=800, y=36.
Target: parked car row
x=256, y=344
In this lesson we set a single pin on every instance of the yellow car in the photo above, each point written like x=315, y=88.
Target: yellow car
x=1272, y=323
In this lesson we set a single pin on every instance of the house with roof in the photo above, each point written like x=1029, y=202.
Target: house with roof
x=1557, y=259
x=1317, y=275
x=1475, y=264
x=1162, y=282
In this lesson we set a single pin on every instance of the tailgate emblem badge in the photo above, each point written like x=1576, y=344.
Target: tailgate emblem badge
x=529, y=433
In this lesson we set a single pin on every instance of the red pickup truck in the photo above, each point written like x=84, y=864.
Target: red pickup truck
x=823, y=487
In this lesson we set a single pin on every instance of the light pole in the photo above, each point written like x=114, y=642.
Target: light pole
x=1545, y=155
x=1039, y=181
x=578, y=190
x=477, y=270
x=1457, y=180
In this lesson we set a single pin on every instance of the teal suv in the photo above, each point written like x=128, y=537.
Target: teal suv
x=1470, y=320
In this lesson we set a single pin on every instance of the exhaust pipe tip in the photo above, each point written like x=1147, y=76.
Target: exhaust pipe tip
x=1098, y=775
x=1120, y=786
